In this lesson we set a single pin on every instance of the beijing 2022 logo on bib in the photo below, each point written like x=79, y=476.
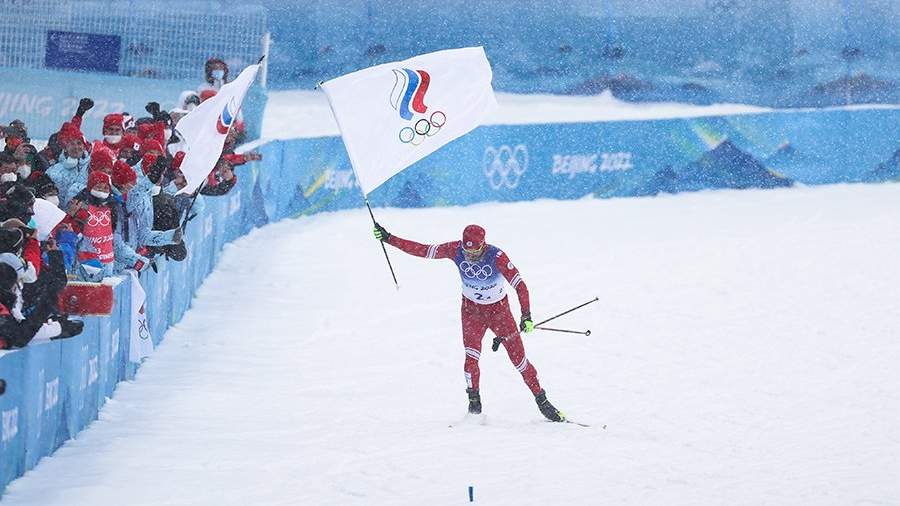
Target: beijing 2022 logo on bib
x=408, y=99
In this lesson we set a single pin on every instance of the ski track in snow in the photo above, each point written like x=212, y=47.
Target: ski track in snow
x=744, y=351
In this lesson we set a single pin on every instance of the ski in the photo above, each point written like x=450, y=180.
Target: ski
x=575, y=423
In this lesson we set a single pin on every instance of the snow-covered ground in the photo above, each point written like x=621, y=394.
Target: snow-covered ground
x=744, y=351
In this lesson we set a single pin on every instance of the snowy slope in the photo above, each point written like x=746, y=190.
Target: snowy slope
x=744, y=352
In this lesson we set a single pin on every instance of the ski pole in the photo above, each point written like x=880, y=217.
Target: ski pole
x=582, y=332
x=497, y=340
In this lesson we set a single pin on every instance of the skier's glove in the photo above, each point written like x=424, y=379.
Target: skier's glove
x=526, y=324
x=84, y=105
x=380, y=233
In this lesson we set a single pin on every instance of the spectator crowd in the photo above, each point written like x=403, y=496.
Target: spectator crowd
x=119, y=193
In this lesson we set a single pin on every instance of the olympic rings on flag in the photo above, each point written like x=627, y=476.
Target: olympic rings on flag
x=422, y=128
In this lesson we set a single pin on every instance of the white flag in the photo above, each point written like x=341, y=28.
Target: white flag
x=395, y=114
x=141, y=344
x=46, y=217
x=204, y=128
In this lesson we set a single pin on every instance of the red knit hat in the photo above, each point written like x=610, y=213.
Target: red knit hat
x=68, y=133
x=96, y=178
x=147, y=162
x=207, y=94
x=102, y=159
x=130, y=141
x=473, y=237
x=114, y=119
x=123, y=174
x=151, y=145
x=146, y=130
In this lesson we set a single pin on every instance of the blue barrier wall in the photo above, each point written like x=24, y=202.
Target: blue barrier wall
x=55, y=389
x=612, y=159
x=44, y=99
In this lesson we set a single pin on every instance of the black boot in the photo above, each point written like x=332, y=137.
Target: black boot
x=547, y=409
x=474, y=401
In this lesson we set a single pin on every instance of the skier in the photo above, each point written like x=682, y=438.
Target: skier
x=484, y=306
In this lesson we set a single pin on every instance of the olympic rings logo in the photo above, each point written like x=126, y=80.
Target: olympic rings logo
x=101, y=219
x=475, y=271
x=423, y=128
x=505, y=166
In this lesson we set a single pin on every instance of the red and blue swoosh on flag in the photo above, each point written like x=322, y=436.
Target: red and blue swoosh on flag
x=408, y=94
x=226, y=119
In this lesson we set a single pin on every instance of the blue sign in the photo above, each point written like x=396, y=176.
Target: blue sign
x=88, y=52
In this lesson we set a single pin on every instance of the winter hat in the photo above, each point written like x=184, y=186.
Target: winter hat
x=147, y=162
x=151, y=145
x=68, y=133
x=96, y=178
x=473, y=237
x=131, y=141
x=114, y=119
x=123, y=174
x=206, y=95
x=149, y=129
x=102, y=159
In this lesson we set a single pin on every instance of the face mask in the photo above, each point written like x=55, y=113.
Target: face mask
x=53, y=199
x=113, y=139
x=24, y=171
x=218, y=74
x=190, y=107
x=171, y=188
x=32, y=224
x=168, y=133
x=100, y=195
x=155, y=190
x=8, y=177
x=70, y=162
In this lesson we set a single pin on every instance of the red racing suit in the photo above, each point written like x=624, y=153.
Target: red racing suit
x=484, y=303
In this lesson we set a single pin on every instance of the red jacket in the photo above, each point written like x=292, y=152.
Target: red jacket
x=451, y=250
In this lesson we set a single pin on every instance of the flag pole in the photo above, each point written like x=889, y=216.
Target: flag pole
x=365, y=195
x=386, y=258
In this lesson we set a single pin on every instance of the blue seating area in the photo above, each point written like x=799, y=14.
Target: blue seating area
x=779, y=53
